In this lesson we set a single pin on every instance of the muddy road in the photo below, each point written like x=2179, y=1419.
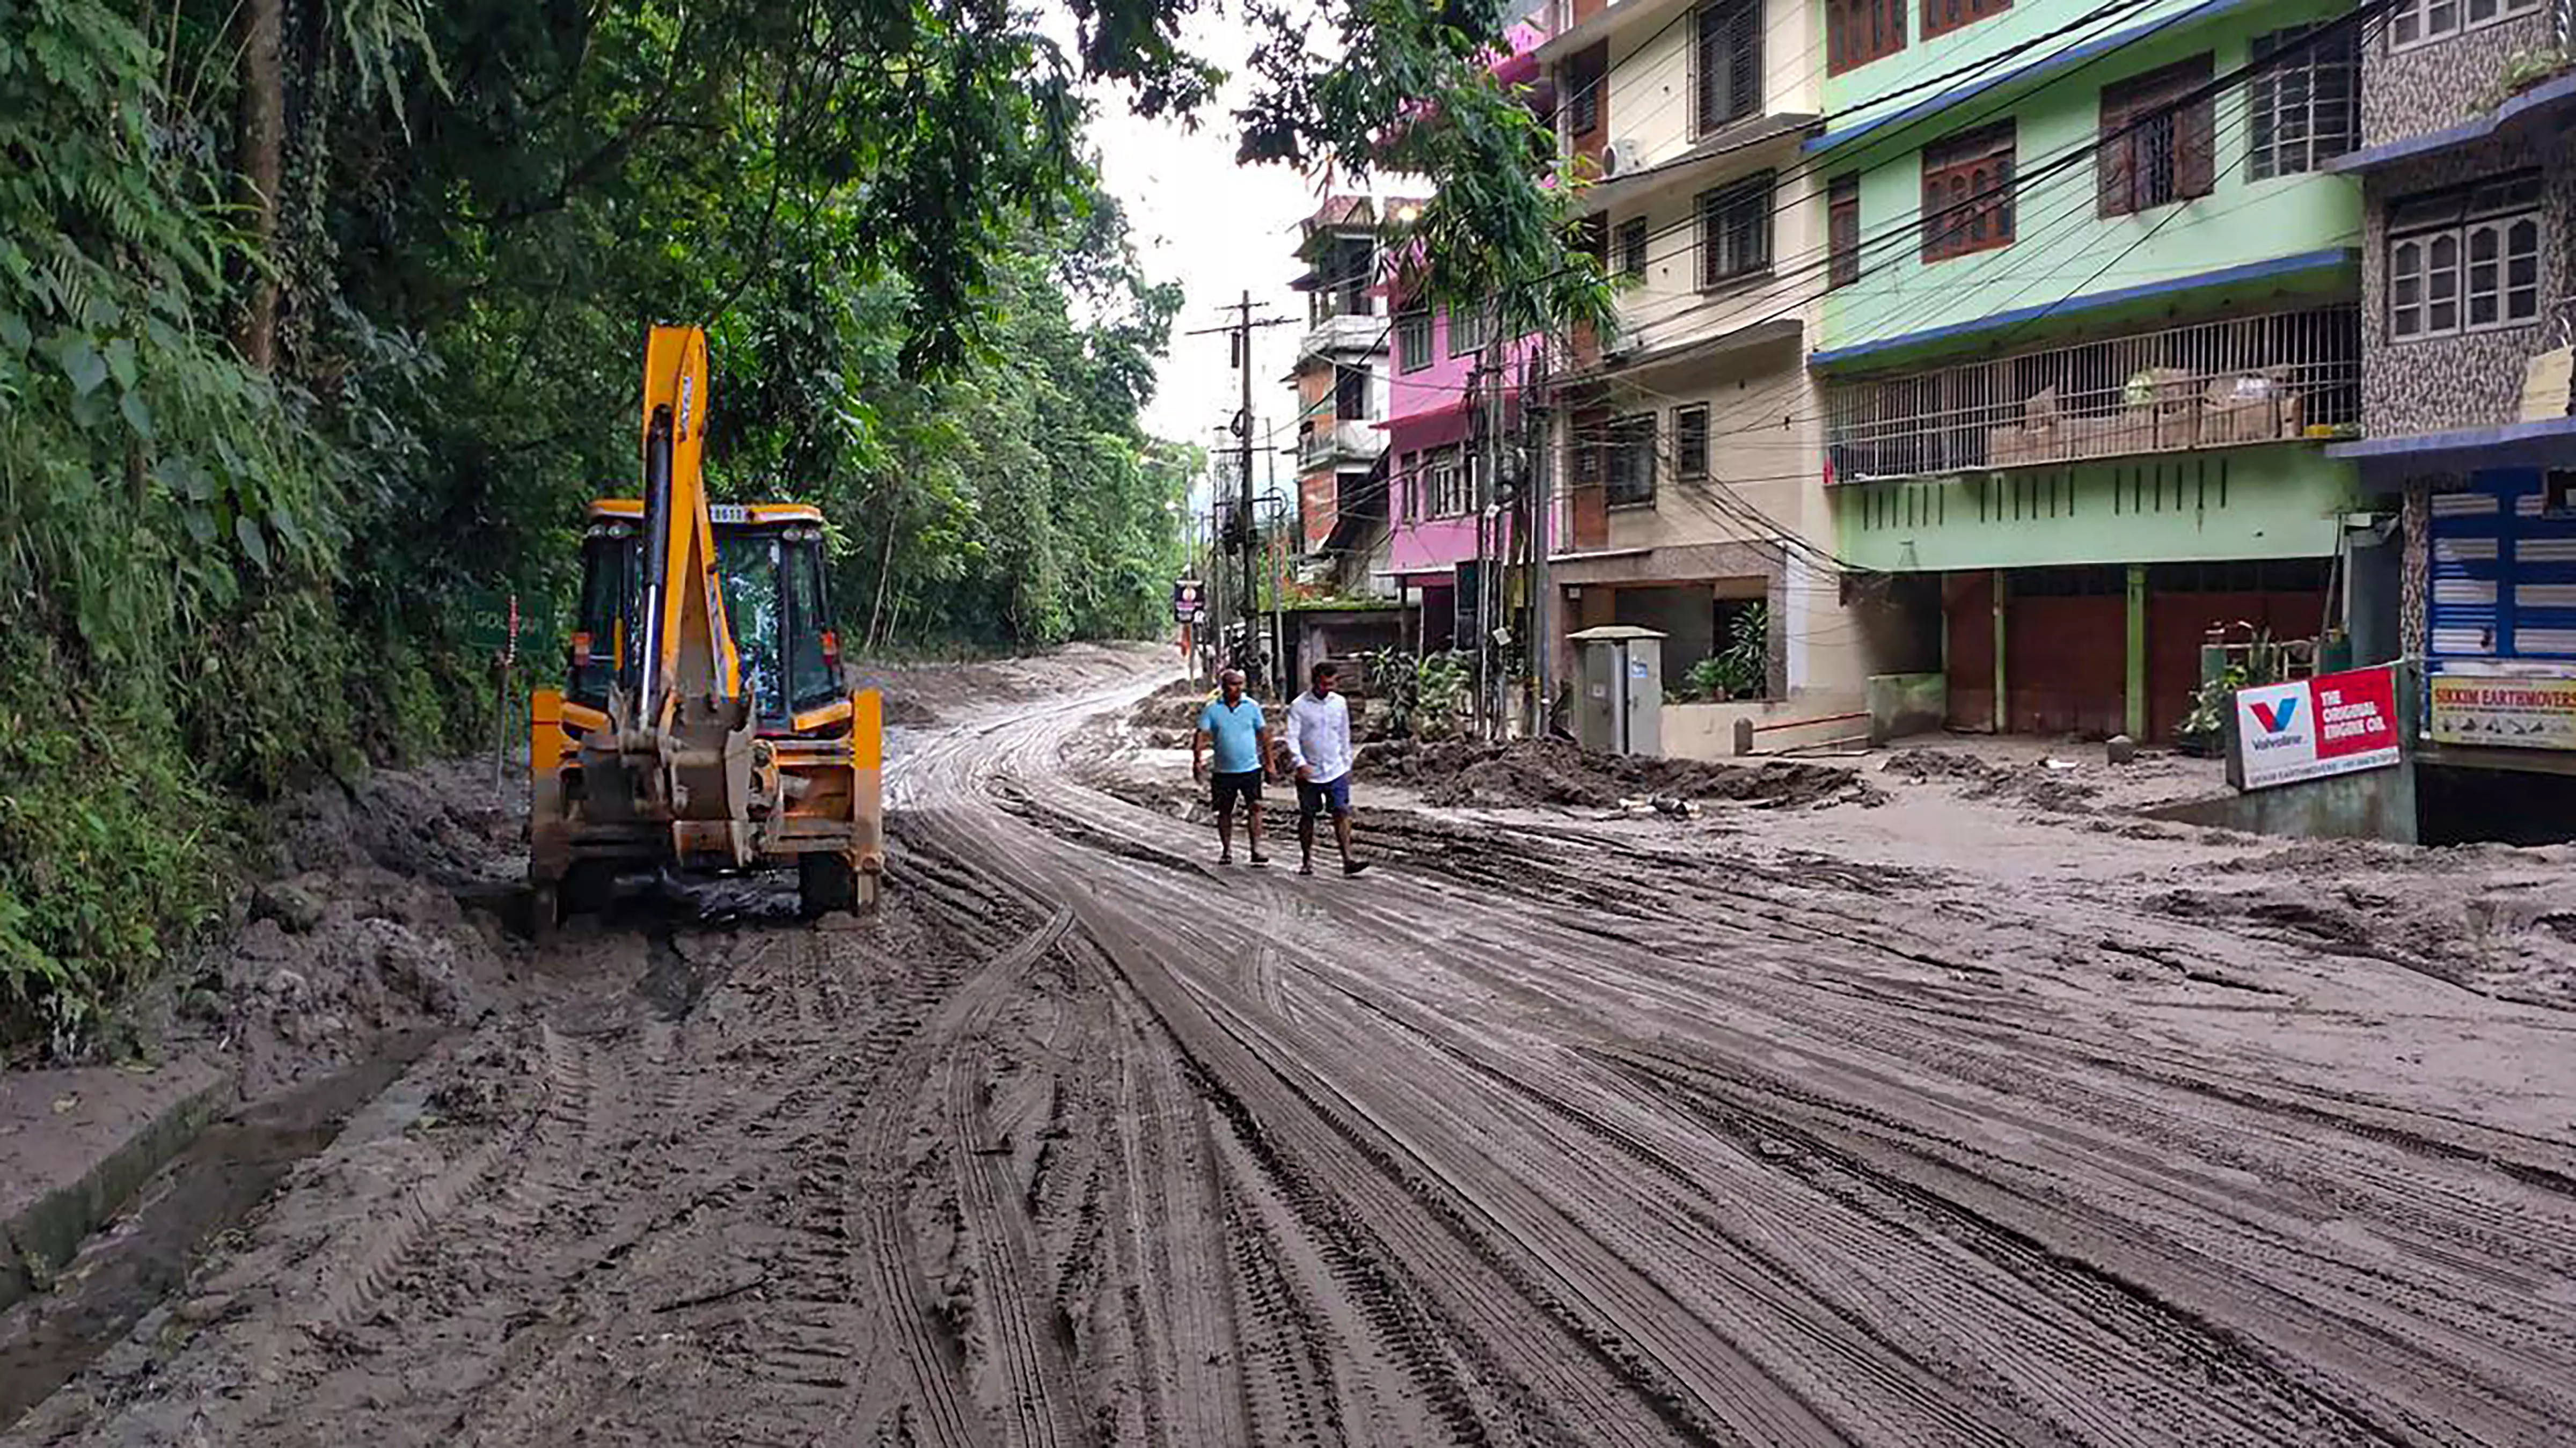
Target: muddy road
x=1559, y=1131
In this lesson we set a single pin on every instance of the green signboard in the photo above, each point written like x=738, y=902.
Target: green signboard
x=483, y=623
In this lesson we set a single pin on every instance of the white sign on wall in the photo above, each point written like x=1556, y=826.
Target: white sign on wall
x=2311, y=728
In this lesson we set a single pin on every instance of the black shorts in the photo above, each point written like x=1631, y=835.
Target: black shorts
x=1231, y=787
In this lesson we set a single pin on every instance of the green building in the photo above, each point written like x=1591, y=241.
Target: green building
x=2090, y=321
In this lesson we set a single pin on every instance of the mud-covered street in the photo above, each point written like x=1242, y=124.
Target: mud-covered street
x=1876, y=1114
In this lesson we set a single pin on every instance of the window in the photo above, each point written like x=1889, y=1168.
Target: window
x=1350, y=393
x=1842, y=231
x=2465, y=260
x=812, y=681
x=1726, y=64
x=1449, y=491
x=1735, y=231
x=1940, y=17
x=1583, y=80
x=1466, y=331
x=1632, y=247
x=1413, y=340
x=748, y=563
x=2303, y=99
x=2558, y=493
x=1631, y=483
x=2159, y=139
x=1968, y=194
x=1690, y=442
x=2421, y=22
x=1860, y=31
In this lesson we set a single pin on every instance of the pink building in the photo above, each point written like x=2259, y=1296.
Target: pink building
x=1437, y=489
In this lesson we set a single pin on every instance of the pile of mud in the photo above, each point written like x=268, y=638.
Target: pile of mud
x=1536, y=772
x=1169, y=716
x=2032, y=784
x=362, y=932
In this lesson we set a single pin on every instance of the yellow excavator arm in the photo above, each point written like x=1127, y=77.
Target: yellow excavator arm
x=688, y=649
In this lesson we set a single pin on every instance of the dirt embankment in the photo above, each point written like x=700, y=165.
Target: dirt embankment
x=360, y=932
x=2489, y=918
x=1539, y=772
x=1167, y=717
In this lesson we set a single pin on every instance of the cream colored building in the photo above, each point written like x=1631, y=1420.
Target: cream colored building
x=1690, y=460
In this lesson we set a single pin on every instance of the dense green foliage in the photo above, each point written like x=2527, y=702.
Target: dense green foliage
x=317, y=314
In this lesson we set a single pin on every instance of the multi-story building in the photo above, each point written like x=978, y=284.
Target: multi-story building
x=1341, y=590
x=1452, y=389
x=2089, y=317
x=1340, y=378
x=1690, y=484
x=2468, y=171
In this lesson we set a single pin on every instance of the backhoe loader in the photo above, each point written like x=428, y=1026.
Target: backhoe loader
x=705, y=722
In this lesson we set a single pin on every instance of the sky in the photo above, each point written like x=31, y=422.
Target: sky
x=1216, y=228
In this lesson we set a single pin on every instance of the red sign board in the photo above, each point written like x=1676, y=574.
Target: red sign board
x=2311, y=728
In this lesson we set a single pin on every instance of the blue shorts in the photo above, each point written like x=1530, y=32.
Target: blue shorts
x=1333, y=794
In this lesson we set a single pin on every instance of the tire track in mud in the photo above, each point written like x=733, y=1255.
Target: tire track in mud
x=1868, y=1018
x=1039, y=1399
x=934, y=1364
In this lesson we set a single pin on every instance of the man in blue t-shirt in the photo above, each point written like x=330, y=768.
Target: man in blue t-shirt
x=1240, y=734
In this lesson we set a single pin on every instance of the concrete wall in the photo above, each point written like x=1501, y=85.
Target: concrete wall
x=2378, y=805
x=1649, y=95
x=2279, y=501
x=1707, y=731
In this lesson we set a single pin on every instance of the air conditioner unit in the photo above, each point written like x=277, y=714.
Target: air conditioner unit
x=1620, y=155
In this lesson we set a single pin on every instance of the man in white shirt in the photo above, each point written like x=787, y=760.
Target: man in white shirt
x=1319, y=751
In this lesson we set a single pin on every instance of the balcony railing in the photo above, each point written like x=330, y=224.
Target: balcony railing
x=1346, y=334
x=1338, y=442
x=2226, y=383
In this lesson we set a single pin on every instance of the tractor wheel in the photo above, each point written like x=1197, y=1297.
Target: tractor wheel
x=545, y=911
x=589, y=887
x=825, y=883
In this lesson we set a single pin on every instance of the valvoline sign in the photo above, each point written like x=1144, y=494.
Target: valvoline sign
x=2312, y=728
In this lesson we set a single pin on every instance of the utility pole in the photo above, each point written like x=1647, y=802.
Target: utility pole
x=1536, y=420
x=1245, y=545
x=1243, y=450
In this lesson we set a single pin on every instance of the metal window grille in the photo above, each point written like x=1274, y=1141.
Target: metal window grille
x=1632, y=247
x=1585, y=75
x=1735, y=230
x=1632, y=461
x=1413, y=341
x=2465, y=260
x=2223, y=383
x=1466, y=331
x=1451, y=488
x=2421, y=22
x=2157, y=147
x=1690, y=442
x=2303, y=99
x=1726, y=64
